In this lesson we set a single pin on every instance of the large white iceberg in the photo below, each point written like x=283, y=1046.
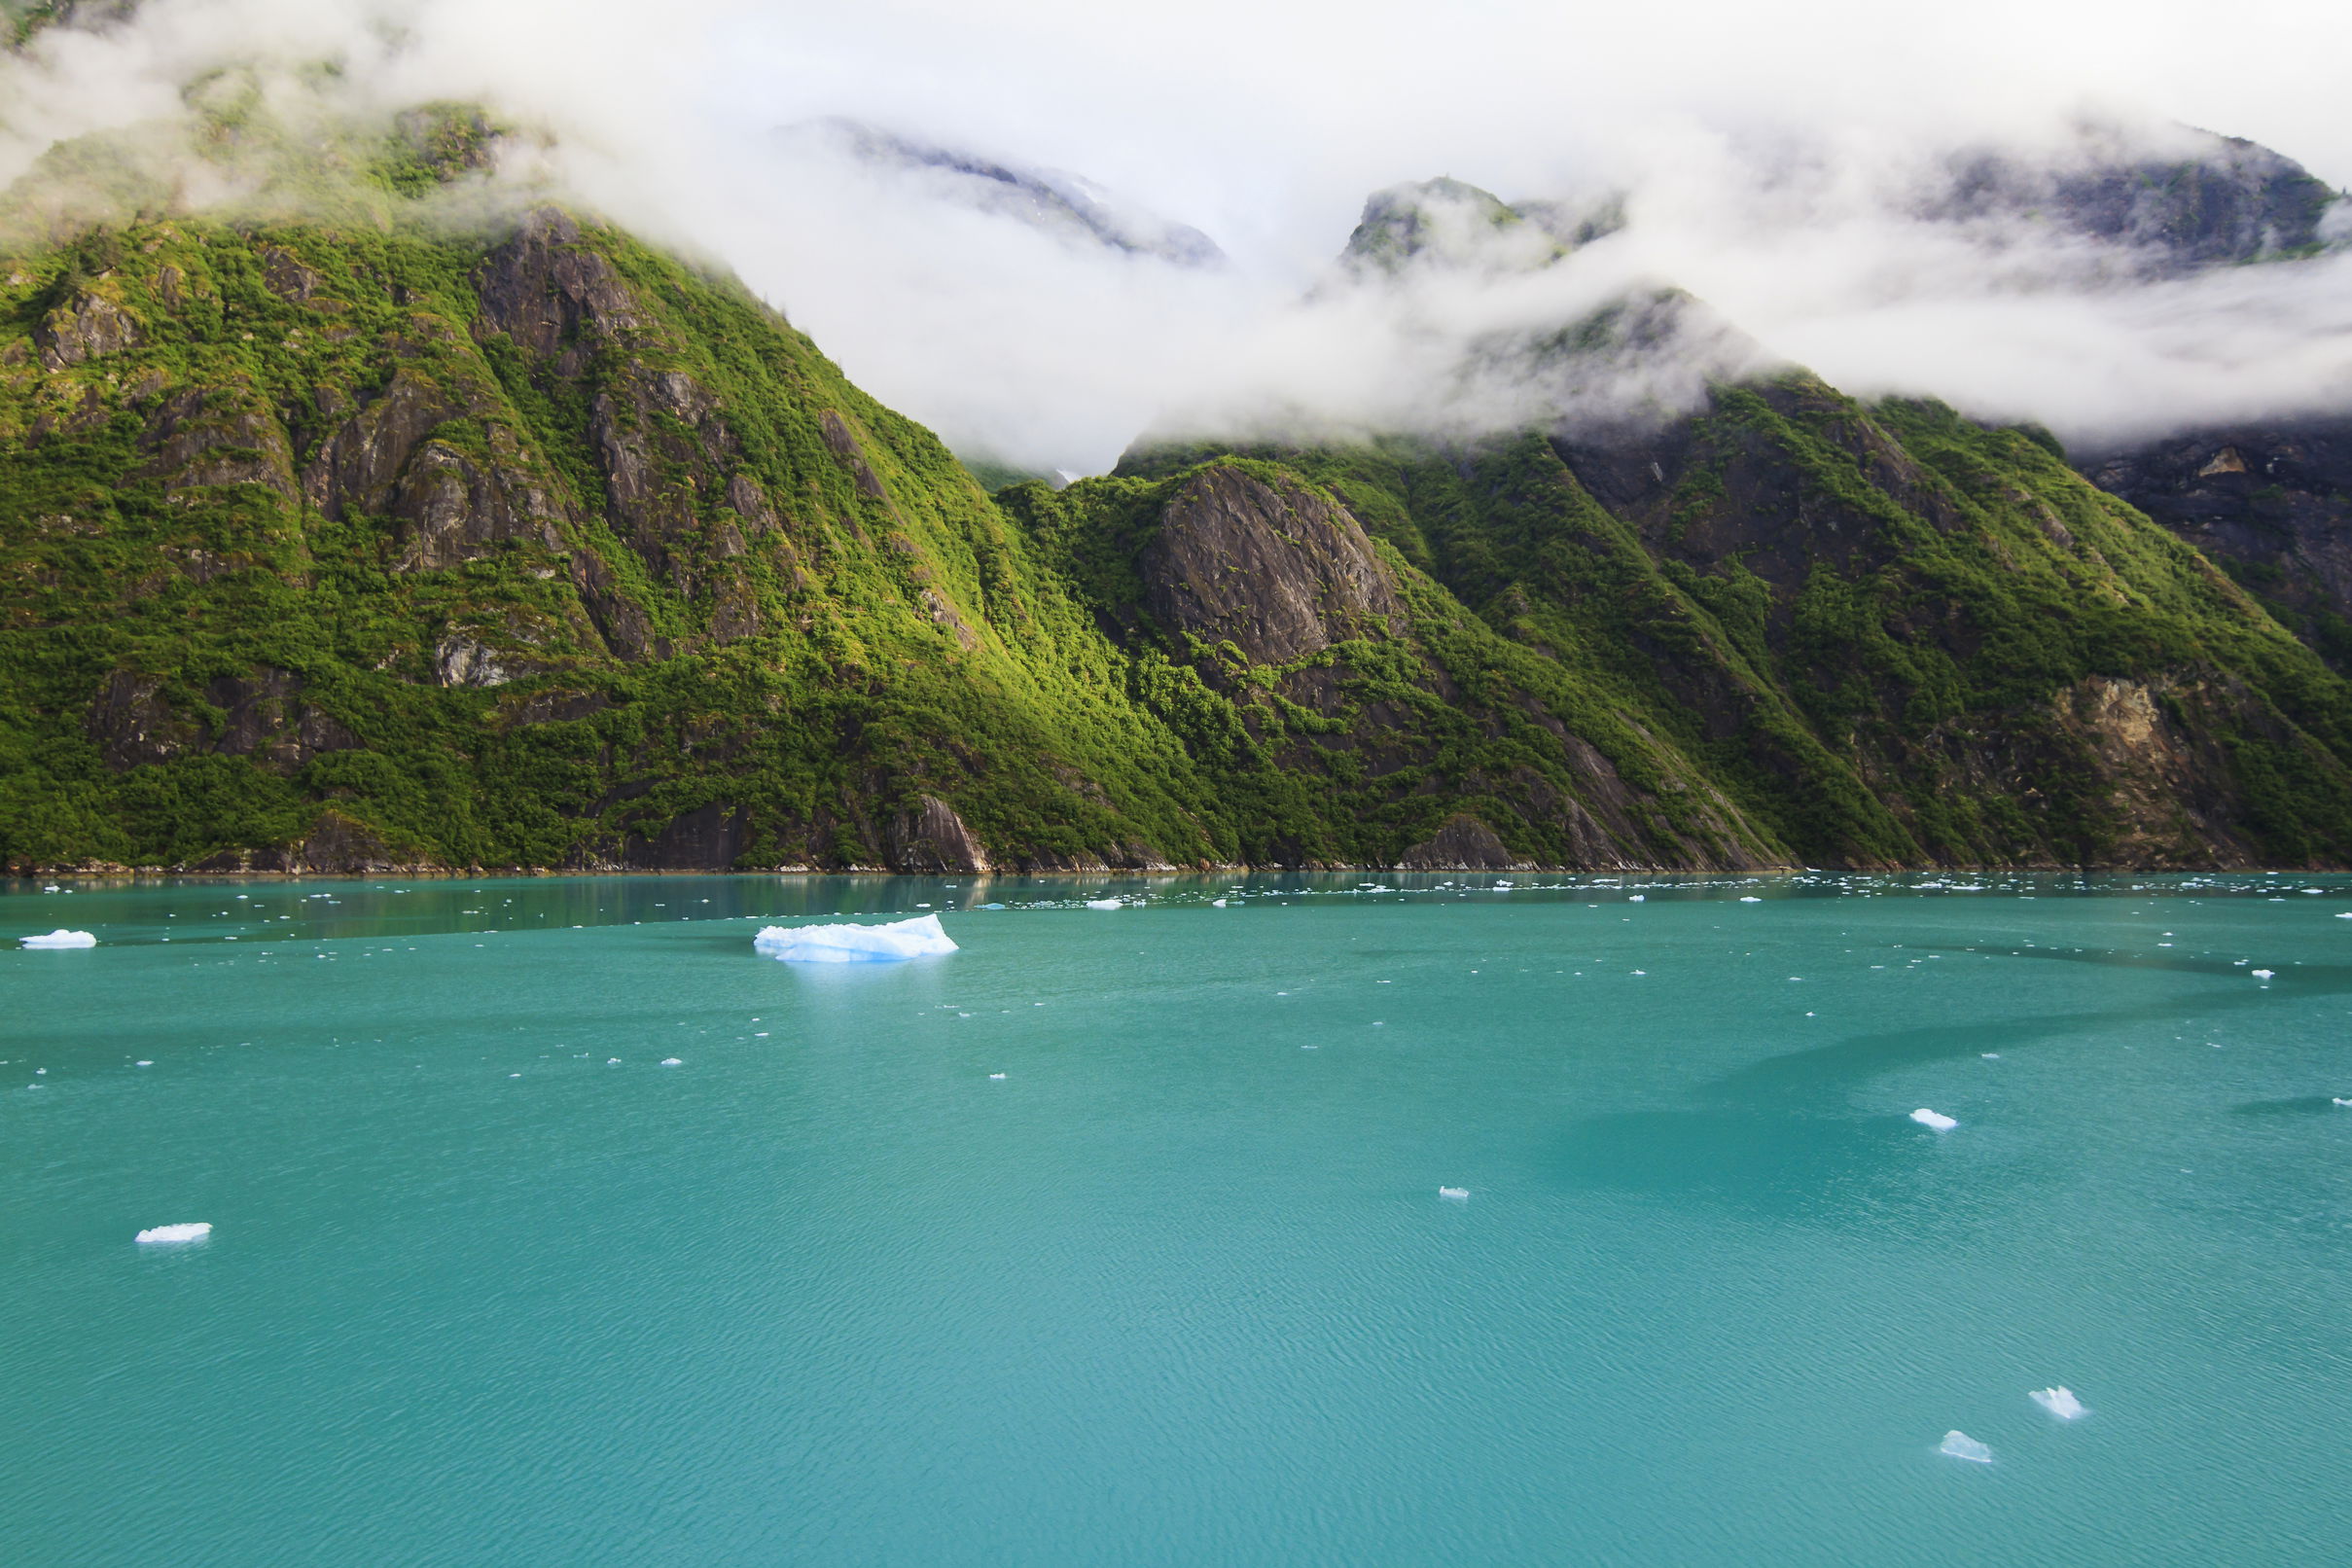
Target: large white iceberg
x=919, y=937
x=177, y=1232
x=62, y=938
x=1960, y=1446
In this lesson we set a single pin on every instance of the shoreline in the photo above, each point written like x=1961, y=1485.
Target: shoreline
x=444, y=873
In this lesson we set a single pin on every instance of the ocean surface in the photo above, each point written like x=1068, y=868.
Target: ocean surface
x=490, y=1284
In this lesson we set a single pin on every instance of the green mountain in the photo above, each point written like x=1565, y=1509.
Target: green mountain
x=1883, y=635
x=354, y=527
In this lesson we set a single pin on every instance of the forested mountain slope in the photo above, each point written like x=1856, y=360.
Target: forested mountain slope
x=359, y=527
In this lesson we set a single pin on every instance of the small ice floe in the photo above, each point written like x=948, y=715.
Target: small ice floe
x=1458, y=1195
x=1216, y=904
x=2340, y=1101
x=176, y=1232
x=142, y=1064
x=51, y=888
x=1638, y=897
x=994, y=1076
x=1960, y=1446
x=919, y=937
x=1105, y=904
x=612, y=1061
x=672, y=1061
x=1989, y=1055
x=1749, y=897
x=62, y=938
x=2262, y=974
x=2058, y=1401
x=1935, y=1119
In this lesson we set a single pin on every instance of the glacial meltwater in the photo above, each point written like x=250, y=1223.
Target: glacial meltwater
x=1354, y=1221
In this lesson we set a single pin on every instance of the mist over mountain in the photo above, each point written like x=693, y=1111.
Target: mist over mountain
x=1051, y=200
x=2027, y=241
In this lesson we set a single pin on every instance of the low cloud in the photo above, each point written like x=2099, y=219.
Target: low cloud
x=1783, y=167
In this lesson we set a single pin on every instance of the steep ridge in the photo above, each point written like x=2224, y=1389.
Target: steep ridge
x=1886, y=636
x=1353, y=710
x=2271, y=503
x=338, y=547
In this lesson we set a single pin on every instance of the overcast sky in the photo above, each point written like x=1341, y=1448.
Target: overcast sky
x=1266, y=123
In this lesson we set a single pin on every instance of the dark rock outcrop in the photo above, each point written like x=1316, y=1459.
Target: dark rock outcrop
x=2271, y=503
x=707, y=839
x=1462, y=844
x=264, y=716
x=929, y=838
x=1278, y=569
x=83, y=328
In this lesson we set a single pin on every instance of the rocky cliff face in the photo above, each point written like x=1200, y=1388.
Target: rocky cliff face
x=2271, y=503
x=1279, y=570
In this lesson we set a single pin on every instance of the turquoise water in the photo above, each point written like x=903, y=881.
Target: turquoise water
x=1179, y=1288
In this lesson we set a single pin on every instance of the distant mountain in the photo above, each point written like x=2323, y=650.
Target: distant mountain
x=1055, y=202
x=2190, y=201
x=2270, y=501
x=1450, y=224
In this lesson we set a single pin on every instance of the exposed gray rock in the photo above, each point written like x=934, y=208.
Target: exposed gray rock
x=83, y=328
x=1462, y=844
x=1280, y=571
x=928, y=838
x=205, y=436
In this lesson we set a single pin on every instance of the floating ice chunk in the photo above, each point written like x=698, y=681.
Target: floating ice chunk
x=671, y=1061
x=1104, y=904
x=1638, y=897
x=2340, y=1101
x=1749, y=897
x=177, y=1232
x=2262, y=974
x=1216, y=904
x=2058, y=1401
x=918, y=938
x=62, y=938
x=1459, y=1195
x=1960, y=1446
x=2346, y=915
x=143, y=1064
x=612, y=1061
x=1935, y=1119
x=1989, y=1055
x=995, y=1075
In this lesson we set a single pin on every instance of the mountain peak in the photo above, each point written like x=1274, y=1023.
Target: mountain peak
x=1048, y=199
